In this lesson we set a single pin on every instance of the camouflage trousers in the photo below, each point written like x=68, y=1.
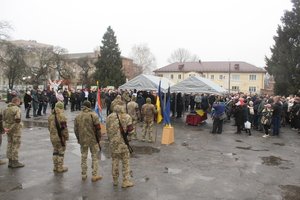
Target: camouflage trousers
x=134, y=124
x=13, y=145
x=147, y=130
x=58, y=156
x=94, y=149
x=124, y=158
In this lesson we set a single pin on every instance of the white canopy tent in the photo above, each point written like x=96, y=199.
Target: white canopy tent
x=197, y=84
x=147, y=82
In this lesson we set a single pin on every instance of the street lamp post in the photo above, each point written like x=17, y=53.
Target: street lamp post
x=229, y=69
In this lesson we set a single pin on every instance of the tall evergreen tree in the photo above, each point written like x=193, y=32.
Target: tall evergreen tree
x=284, y=63
x=109, y=64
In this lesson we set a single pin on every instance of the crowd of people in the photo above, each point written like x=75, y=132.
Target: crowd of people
x=124, y=110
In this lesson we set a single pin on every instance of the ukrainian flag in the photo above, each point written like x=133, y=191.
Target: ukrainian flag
x=158, y=105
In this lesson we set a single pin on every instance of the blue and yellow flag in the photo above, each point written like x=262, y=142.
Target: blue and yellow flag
x=158, y=105
x=98, y=107
x=167, y=109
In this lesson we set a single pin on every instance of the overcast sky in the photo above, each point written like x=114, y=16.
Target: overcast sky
x=215, y=30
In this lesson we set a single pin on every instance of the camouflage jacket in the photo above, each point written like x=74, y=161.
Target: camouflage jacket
x=132, y=109
x=62, y=122
x=1, y=122
x=116, y=141
x=84, y=128
x=12, y=118
x=148, y=111
x=116, y=101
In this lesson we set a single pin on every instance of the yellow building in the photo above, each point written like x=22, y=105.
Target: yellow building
x=244, y=77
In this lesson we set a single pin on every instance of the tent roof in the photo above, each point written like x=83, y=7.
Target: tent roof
x=197, y=84
x=147, y=82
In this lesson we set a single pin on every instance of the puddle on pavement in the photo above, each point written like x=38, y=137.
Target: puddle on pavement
x=272, y=160
x=145, y=150
x=106, y=154
x=279, y=144
x=290, y=192
x=250, y=148
x=145, y=179
x=11, y=187
x=244, y=148
x=238, y=140
x=172, y=170
x=30, y=124
x=184, y=144
x=228, y=154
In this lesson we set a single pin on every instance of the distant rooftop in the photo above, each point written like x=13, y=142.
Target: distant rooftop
x=30, y=44
x=215, y=66
x=88, y=54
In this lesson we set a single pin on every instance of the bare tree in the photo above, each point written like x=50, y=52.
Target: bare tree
x=182, y=55
x=39, y=60
x=143, y=57
x=59, y=63
x=86, y=67
x=5, y=27
x=12, y=60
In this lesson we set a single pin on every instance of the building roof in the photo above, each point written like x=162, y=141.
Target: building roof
x=88, y=54
x=30, y=44
x=215, y=66
x=81, y=55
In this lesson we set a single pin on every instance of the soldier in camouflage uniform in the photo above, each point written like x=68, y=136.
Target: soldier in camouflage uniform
x=2, y=162
x=133, y=110
x=148, y=112
x=126, y=96
x=119, y=150
x=59, y=144
x=86, y=125
x=13, y=126
x=116, y=101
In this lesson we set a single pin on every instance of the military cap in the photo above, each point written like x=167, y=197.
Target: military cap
x=59, y=105
x=87, y=104
x=148, y=100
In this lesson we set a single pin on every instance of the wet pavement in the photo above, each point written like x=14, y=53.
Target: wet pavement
x=199, y=165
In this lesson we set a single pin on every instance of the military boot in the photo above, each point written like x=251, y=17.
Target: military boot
x=83, y=177
x=55, y=163
x=9, y=163
x=62, y=169
x=115, y=181
x=16, y=164
x=60, y=165
x=127, y=183
x=96, y=178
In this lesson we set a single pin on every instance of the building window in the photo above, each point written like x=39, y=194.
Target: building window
x=252, y=77
x=235, y=88
x=252, y=89
x=204, y=76
x=172, y=76
x=235, y=77
x=222, y=77
x=160, y=75
x=179, y=76
x=212, y=77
